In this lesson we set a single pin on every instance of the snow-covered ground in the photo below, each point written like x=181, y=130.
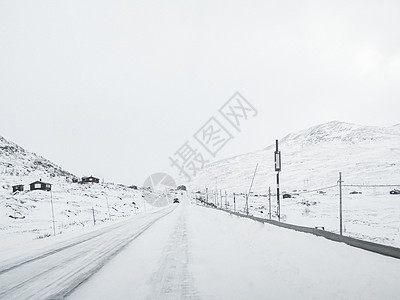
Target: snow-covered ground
x=74, y=206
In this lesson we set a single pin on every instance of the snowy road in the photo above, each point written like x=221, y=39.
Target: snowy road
x=191, y=252
x=53, y=272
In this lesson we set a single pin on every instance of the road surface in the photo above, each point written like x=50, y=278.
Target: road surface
x=186, y=251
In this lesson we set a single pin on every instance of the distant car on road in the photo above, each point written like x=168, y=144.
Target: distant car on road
x=395, y=192
x=176, y=200
x=355, y=193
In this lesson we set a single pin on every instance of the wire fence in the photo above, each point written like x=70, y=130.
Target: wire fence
x=365, y=216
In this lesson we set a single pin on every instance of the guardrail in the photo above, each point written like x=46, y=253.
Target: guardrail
x=365, y=245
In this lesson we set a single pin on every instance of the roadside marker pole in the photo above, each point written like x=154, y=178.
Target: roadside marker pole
x=234, y=202
x=94, y=219
x=52, y=212
x=108, y=207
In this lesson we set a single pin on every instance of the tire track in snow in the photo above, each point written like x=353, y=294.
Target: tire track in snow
x=173, y=279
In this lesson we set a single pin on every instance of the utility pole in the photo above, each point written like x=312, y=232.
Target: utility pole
x=340, y=204
x=52, y=212
x=278, y=169
x=248, y=194
x=269, y=202
x=247, y=204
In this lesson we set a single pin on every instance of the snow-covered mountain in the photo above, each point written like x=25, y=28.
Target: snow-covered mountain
x=312, y=158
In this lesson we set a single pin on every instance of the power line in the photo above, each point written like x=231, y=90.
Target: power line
x=325, y=188
x=317, y=190
x=373, y=185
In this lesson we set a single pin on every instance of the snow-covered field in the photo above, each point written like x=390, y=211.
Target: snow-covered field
x=73, y=204
x=373, y=215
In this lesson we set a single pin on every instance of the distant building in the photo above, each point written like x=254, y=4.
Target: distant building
x=90, y=179
x=181, y=187
x=40, y=185
x=134, y=187
x=75, y=180
x=18, y=188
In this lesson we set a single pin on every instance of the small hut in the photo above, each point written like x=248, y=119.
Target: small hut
x=18, y=188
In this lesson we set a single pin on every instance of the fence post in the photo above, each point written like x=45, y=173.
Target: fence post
x=269, y=202
x=247, y=204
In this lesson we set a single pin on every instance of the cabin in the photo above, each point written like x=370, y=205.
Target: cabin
x=90, y=179
x=40, y=185
x=18, y=188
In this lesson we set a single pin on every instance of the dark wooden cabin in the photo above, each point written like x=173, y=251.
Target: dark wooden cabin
x=90, y=179
x=40, y=185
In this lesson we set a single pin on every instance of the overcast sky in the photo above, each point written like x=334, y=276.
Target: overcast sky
x=114, y=88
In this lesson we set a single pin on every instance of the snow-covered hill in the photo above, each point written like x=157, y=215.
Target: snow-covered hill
x=312, y=158
x=28, y=214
